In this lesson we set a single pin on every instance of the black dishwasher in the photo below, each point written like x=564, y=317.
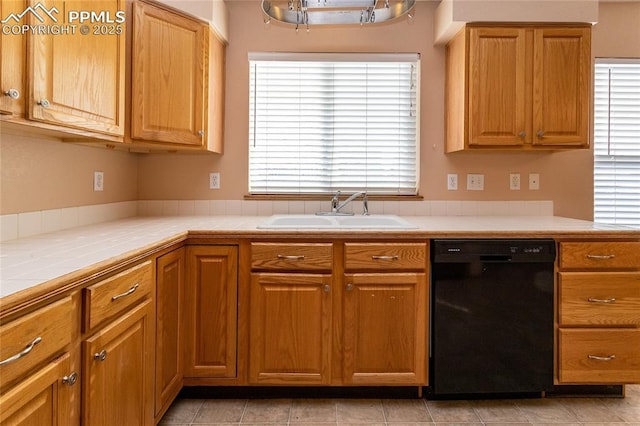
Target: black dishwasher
x=492, y=310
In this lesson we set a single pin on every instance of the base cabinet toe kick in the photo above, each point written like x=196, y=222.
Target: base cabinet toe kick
x=322, y=311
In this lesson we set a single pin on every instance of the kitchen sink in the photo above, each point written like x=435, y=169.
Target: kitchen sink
x=305, y=221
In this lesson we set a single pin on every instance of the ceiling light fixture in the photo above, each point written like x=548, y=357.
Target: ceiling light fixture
x=335, y=12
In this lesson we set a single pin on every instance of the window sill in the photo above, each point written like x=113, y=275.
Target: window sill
x=326, y=197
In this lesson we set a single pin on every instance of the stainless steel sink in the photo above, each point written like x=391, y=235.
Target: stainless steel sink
x=305, y=221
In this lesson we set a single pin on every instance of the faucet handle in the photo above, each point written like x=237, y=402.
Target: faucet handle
x=365, y=204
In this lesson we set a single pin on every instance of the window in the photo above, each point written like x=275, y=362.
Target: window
x=617, y=142
x=325, y=122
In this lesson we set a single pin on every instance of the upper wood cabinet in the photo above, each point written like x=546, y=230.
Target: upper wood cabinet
x=177, y=81
x=518, y=87
x=12, y=65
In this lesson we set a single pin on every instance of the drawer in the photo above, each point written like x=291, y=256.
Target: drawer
x=113, y=295
x=600, y=255
x=385, y=256
x=604, y=298
x=297, y=256
x=35, y=337
x=599, y=356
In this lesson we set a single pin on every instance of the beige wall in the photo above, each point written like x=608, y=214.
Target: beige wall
x=38, y=174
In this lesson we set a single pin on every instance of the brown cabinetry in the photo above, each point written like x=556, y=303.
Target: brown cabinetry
x=599, y=300
x=170, y=276
x=518, y=87
x=173, y=81
x=118, y=358
x=68, y=82
x=211, y=312
x=385, y=314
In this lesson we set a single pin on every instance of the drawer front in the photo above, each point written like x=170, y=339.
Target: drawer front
x=600, y=255
x=34, y=338
x=604, y=298
x=385, y=256
x=113, y=295
x=599, y=356
x=297, y=257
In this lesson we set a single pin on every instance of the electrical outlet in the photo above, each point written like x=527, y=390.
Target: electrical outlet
x=452, y=182
x=534, y=181
x=514, y=181
x=98, y=181
x=214, y=180
x=475, y=182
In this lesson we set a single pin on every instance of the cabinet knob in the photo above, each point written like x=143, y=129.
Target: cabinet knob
x=100, y=356
x=12, y=93
x=200, y=133
x=522, y=134
x=349, y=287
x=71, y=379
x=326, y=288
x=44, y=103
x=540, y=134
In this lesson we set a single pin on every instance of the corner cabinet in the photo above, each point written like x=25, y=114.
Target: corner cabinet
x=173, y=82
x=598, y=312
x=211, y=312
x=518, y=87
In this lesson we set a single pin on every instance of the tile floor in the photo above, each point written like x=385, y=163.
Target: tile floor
x=405, y=412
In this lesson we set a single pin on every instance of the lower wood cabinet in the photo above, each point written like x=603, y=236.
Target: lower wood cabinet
x=211, y=308
x=117, y=385
x=42, y=399
x=385, y=328
x=170, y=270
x=290, y=329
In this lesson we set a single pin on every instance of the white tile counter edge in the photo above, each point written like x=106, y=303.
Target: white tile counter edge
x=30, y=261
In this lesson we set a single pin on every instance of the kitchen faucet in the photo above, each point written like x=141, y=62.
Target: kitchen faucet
x=336, y=205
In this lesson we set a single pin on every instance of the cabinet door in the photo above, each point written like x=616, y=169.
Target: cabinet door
x=385, y=329
x=561, y=81
x=117, y=388
x=42, y=399
x=77, y=80
x=211, y=306
x=167, y=96
x=290, y=326
x=12, y=63
x=497, y=92
x=169, y=327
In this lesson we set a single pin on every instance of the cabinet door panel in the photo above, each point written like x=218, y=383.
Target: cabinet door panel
x=169, y=327
x=80, y=76
x=497, y=87
x=385, y=318
x=562, y=77
x=40, y=400
x=12, y=63
x=290, y=326
x=117, y=389
x=211, y=301
x=167, y=98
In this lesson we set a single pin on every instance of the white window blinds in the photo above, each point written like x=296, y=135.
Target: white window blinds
x=320, y=123
x=617, y=142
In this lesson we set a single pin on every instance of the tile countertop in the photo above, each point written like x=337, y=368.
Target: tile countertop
x=51, y=260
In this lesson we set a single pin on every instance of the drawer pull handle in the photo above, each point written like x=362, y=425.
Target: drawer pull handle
x=70, y=379
x=284, y=257
x=100, y=356
x=609, y=300
x=25, y=352
x=394, y=257
x=126, y=293
x=601, y=256
x=602, y=358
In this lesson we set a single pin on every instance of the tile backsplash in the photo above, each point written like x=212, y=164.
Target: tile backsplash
x=21, y=225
